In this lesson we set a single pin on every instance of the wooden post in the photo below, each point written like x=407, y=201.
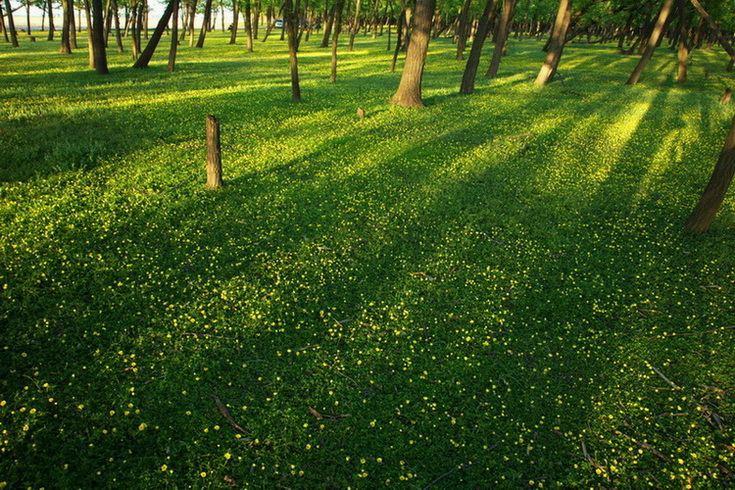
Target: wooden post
x=214, y=154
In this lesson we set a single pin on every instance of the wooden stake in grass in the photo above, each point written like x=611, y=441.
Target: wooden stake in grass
x=214, y=154
x=725, y=99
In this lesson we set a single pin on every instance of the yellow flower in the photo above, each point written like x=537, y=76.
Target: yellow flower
x=164, y=467
x=203, y=474
x=142, y=426
x=228, y=455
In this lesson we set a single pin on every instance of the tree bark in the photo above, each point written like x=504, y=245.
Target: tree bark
x=147, y=54
x=11, y=25
x=704, y=213
x=503, y=30
x=118, y=34
x=205, y=23
x=50, y=21
x=726, y=45
x=65, y=27
x=462, y=30
x=214, y=154
x=337, y=28
x=192, y=17
x=355, y=26
x=174, y=38
x=683, y=54
x=235, y=17
x=652, y=42
x=98, y=39
x=88, y=18
x=473, y=61
x=409, y=90
x=248, y=27
x=556, y=44
x=399, y=39
x=291, y=26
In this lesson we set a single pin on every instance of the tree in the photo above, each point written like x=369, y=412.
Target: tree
x=556, y=44
x=709, y=203
x=473, y=61
x=174, y=38
x=11, y=24
x=409, y=89
x=66, y=26
x=99, y=54
x=291, y=19
x=147, y=54
x=337, y=28
x=652, y=42
x=463, y=29
x=503, y=30
x=205, y=23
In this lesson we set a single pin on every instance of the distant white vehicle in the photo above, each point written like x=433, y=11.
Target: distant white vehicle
x=279, y=23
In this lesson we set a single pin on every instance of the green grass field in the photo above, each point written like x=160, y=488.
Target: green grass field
x=420, y=298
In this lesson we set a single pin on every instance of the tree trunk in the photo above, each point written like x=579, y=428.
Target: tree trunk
x=150, y=48
x=192, y=17
x=683, y=42
x=28, y=17
x=726, y=46
x=205, y=23
x=2, y=25
x=118, y=35
x=462, y=30
x=11, y=24
x=652, y=42
x=399, y=40
x=329, y=19
x=355, y=26
x=65, y=26
x=256, y=20
x=337, y=28
x=214, y=154
x=556, y=44
x=88, y=18
x=292, y=25
x=174, y=38
x=51, y=28
x=503, y=30
x=248, y=27
x=235, y=16
x=705, y=211
x=409, y=90
x=473, y=61
x=72, y=26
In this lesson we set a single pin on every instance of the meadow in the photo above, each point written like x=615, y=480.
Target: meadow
x=494, y=291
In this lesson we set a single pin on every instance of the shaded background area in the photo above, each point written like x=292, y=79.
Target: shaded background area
x=482, y=287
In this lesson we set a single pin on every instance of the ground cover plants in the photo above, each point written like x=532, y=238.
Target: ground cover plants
x=493, y=291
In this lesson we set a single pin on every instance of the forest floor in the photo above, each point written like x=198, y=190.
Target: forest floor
x=493, y=291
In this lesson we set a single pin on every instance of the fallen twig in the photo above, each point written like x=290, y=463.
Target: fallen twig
x=226, y=414
x=671, y=383
x=644, y=445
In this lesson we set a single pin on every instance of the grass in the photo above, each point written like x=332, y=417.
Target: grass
x=420, y=298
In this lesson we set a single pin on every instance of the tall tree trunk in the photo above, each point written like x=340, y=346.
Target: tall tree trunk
x=11, y=24
x=235, y=16
x=2, y=25
x=51, y=28
x=355, y=26
x=409, y=90
x=147, y=54
x=556, y=45
x=463, y=29
x=291, y=21
x=503, y=30
x=174, y=38
x=88, y=18
x=28, y=17
x=473, y=61
x=72, y=27
x=726, y=45
x=399, y=38
x=705, y=211
x=98, y=38
x=329, y=19
x=256, y=19
x=337, y=28
x=65, y=37
x=192, y=17
x=652, y=42
x=683, y=42
x=205, y=23
x=118, y=34
x=248, y=27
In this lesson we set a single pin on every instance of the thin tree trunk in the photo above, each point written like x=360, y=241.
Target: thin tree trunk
x=147, y=54
x=256, y=20
x=65, y=36
x=355, y=26
x=399, y=38
x=11, y=25
x=652, y=42
x=28, y=17
x=205, y=23
x=704, y=213
x=503, y=30
x=2, y=25
x=462, y=31
x=72, y=27
x=174, y=38
x=683, y=42
x=726, y=45
x=118, y=34
x=248, y=27
x=235, y=16
x=473, y=61
x=556, y=46
x=337, y=28
x=192, y=17
x=51, y=28
x=88, y=18
x=291, y=24
x=328, y=27
x=409, y=90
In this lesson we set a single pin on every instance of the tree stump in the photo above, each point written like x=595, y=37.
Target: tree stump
x=33, y=39
x=360, y=113
x=214, y=154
